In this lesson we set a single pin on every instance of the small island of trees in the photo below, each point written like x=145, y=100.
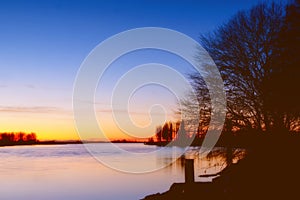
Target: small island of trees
x=19, y=138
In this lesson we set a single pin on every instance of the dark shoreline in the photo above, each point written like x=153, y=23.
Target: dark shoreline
x=269, y=170
x=30, y=143
x=56, y=142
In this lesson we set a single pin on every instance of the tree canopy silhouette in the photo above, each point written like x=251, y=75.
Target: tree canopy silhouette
x=17, y=138
x=256, y=54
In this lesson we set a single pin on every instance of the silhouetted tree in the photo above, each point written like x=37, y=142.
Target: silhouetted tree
x=31, y=137
x=165, y=131
x=170, y=131
x=159, y=133
x=181, y=134
x=284, y=83
x=17, y=138
x=21, y=136
x=150, y=139
x=246, y=51
x=203, y=101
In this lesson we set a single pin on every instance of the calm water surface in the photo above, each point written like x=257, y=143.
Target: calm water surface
x=63, y=172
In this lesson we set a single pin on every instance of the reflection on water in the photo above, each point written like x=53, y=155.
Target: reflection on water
x=215, y=162
x=69, y=172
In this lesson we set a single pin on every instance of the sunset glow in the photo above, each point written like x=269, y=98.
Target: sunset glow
x=43, y=46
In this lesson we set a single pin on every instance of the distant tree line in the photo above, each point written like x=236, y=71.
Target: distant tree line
x=165, y=132
x=13, y=138
x=171, y=131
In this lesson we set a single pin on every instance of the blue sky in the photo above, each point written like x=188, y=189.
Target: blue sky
x=43, y=44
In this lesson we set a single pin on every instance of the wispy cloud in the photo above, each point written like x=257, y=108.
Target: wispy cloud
x=3, y=86
x=34, y=109
x=30, y=86
x=106, y=108
x=131, y=112
x=58, y=110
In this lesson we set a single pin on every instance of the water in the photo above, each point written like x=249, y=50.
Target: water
x=69, y=172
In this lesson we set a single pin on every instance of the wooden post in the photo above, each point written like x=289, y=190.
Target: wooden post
x=189, y=171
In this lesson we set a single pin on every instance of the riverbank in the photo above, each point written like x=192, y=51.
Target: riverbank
x=59, y=142
x=270, y=170
x=247, y=140
x=26, y=143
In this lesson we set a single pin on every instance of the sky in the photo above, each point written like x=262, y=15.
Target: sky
x=43, y=44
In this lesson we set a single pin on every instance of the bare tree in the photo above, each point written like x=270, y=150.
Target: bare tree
x=244, y=50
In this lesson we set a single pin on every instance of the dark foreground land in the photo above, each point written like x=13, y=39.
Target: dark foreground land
x=270, y=170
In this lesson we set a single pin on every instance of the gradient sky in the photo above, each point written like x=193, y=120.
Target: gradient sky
x=43, y=44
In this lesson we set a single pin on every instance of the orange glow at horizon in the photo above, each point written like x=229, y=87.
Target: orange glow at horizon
x=62, y=127
x=45, y=127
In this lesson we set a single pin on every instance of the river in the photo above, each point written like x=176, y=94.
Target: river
x=63, y=172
